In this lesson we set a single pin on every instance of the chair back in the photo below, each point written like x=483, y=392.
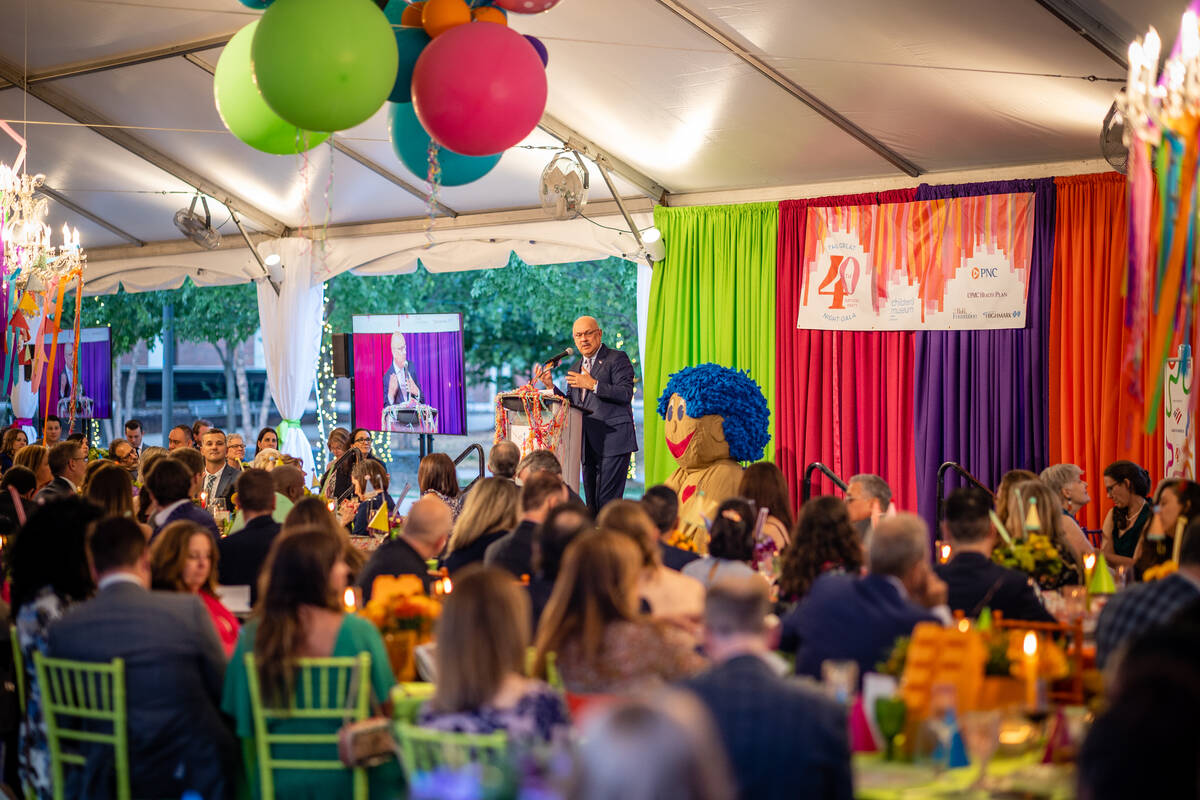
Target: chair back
x=83, y=702
x=18, y=666
x=423, y=750
x=407, y=699
x=335, y=689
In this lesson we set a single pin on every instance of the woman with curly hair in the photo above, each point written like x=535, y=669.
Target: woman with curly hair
x=824, y=541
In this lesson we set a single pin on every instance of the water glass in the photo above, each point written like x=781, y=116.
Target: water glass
x=981, y=735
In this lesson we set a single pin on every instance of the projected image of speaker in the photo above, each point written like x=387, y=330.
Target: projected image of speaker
x=79, y=376
x=408, y=373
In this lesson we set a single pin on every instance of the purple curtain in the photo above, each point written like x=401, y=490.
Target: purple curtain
x=980, y=397
x=95, y=376
x=437, y=365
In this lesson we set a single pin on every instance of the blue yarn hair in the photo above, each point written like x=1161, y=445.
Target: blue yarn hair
x=730, y=394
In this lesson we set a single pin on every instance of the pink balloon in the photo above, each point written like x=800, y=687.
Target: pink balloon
x=479, y=88
x=526, y=6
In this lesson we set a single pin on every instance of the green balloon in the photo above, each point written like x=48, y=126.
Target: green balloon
x=324, y=65
x=243, y=110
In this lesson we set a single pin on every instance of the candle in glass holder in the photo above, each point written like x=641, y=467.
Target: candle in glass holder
x=349, y=600
x=1089, y=564
x=943, y=553
x=1030, y=648
x=204, y=499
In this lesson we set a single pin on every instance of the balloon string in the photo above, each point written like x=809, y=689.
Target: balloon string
x=435, y=184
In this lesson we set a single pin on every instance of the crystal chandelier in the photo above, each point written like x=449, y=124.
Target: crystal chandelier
x=27, y=249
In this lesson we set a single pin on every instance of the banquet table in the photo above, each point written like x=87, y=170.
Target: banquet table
x=1016, y=776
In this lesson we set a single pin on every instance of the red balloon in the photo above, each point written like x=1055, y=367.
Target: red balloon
x=526, y=6
x=479, y=89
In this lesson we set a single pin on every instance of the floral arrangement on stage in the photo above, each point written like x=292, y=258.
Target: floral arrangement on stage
x=543, y=434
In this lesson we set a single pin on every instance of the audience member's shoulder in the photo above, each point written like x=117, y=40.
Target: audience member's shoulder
x=832, y=583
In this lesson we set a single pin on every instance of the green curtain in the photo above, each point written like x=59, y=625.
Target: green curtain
x=712, y=299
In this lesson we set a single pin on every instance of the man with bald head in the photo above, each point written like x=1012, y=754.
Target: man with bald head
x=425, y=533
x=601, y=382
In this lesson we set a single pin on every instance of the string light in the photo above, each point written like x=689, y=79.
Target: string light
x=326, y=393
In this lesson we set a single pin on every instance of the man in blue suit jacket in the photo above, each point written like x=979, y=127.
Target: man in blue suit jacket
x=170, y=484
x=601, y=383
x=974, y=581
x=784, y=741
x=845, y=617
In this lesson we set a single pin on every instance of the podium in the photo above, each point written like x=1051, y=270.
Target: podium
x=513, y=416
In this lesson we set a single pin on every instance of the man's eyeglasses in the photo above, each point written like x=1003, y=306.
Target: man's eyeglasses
x=586, y=334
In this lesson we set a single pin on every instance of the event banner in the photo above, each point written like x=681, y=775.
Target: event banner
x=1179, y=438
x=958, y=264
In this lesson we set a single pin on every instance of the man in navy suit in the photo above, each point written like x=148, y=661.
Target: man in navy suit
x=973, y=580
x=218, y=480
x=68, y=462
x=783, y=740
x=170, y=484
x=847, y=618
x=601, y=382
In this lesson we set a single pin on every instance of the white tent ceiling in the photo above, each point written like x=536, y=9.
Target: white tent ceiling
x=689, y=100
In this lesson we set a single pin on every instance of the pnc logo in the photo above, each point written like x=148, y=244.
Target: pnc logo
x=984, y=272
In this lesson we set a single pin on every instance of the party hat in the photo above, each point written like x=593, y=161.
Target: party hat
x=1102, y=580
x=861, y=738
x=984, y=622
x=379, y=522
x=1032, y=521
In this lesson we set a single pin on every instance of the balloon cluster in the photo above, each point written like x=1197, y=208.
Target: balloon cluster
x=453, y=71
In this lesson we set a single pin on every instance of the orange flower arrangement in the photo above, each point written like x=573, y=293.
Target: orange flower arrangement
x=399, y=603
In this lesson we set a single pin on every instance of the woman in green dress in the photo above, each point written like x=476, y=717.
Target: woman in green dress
x=299, y=614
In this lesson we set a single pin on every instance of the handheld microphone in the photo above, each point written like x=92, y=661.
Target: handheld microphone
x=553, y=362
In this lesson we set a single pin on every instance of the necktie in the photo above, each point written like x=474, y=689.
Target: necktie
x=587, y=367
x=210, y=486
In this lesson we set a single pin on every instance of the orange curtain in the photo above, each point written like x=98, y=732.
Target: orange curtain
x=1094, y=420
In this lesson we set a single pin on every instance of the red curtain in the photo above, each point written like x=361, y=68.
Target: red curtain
x=844, y=398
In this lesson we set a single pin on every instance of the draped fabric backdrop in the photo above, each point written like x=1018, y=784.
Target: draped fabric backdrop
x=981, y=396
x=844, y=397
x=1091, y=411
x=712, y=299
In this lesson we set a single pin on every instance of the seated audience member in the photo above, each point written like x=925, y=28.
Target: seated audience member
x=199, y=428
x=183, y=559
x=425, y=533
x=122, y=454
x=540, y=493
x=779, y=736
x=662, y=505
x=300, y=615
x=1004, y=492
x=268, y=458
x=1176, y=501
x=338, y=442
x=824, y=541
x=48, y=565
x=1071, y=544
x=1150, y=718
x=235, y=451
x=730, y=545
x=14, y=440
x=68, y=463
x=371, y=487
x=436, y=475
x=288, y=484
x=845, y=617
x=867, y=497
x=17, y=488
x=482, y=637
x=973, y=580
x=52, y=432
x=91, y=469
x=190, y=457
x=763, y=485
x=670, y=595
x=170, y=484
x=1139, y=608
x=489, y=513
x=143, y=500
x=563, y=525
x=312, y=512
x=179, y=437
x=543, y=460
x=651, y=748
x=242, y=554
x=111, y=488
x=174, y=666
x=36, y=459
x=503, y=459
x=267, y=439
x=1066, y=482
x=591, y=623
x=218, y=478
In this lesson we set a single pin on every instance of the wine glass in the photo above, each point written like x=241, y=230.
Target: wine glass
x=981, y=735
x=890, y=715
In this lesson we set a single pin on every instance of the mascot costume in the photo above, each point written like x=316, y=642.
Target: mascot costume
x=714, y=417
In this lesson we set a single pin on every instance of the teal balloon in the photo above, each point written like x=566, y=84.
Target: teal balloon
x=411, y=143
x=243, y=109
x=324, y=65
x=409, y=43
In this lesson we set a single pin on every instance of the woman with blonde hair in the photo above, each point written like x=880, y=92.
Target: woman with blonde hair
x=482, y=637
x=35, y=458
x=300, y=615
x=1008, y=482
x=592, y=624
x=184, y=558
x=1072, y=545
x=671, y=595
x=489, y=512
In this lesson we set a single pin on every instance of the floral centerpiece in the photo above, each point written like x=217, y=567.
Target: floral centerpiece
x=1038, y=557
x=405, y=616
x=1160, y=571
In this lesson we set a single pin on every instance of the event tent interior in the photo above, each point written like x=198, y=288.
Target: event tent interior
x=695, y=103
